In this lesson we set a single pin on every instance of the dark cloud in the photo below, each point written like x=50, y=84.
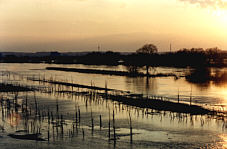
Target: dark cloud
x=217, y=4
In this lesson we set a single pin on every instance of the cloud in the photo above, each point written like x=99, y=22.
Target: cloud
x=216, y=4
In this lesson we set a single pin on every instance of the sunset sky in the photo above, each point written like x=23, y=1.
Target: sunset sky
x=118, y=25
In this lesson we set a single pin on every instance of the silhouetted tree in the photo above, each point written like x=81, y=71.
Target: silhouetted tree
x=147, y=49
x=146, y=52
x=215, y=56
x=194, y=57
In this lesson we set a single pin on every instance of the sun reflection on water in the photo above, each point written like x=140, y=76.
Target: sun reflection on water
x=223, y=92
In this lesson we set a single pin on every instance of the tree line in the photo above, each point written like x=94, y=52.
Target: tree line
x=147, y=57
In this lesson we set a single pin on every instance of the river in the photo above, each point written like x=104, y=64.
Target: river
x=154, y=130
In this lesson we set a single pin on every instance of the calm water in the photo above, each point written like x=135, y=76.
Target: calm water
x=153, y=130
x=211, y=93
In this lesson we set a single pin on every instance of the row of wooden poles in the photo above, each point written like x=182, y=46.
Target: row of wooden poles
x=36, y=118
x=42, y=78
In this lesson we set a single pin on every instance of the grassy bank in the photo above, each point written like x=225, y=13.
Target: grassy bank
x=157, y=103
x=110, y=72
x=13, y=88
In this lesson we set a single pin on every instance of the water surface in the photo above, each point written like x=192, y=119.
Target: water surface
x=151, y=129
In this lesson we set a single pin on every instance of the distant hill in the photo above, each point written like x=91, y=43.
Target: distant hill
x=51, y=53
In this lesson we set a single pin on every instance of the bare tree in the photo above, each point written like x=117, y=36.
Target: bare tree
x=147, y=50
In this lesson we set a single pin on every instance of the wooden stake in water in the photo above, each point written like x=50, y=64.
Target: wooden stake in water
x=76, y=118
x=73, y=128
x=62, y=128
x=100, y=121
x=26, y=103
x=83, y=133
x=92, y=124
x=79, y=114
x=48, y=116
x=36, y=105
x=130, y=122
x=48, y=135
x=109, y=126
x=114, y=127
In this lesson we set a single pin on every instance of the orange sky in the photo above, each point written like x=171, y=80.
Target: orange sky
x=118, y=25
